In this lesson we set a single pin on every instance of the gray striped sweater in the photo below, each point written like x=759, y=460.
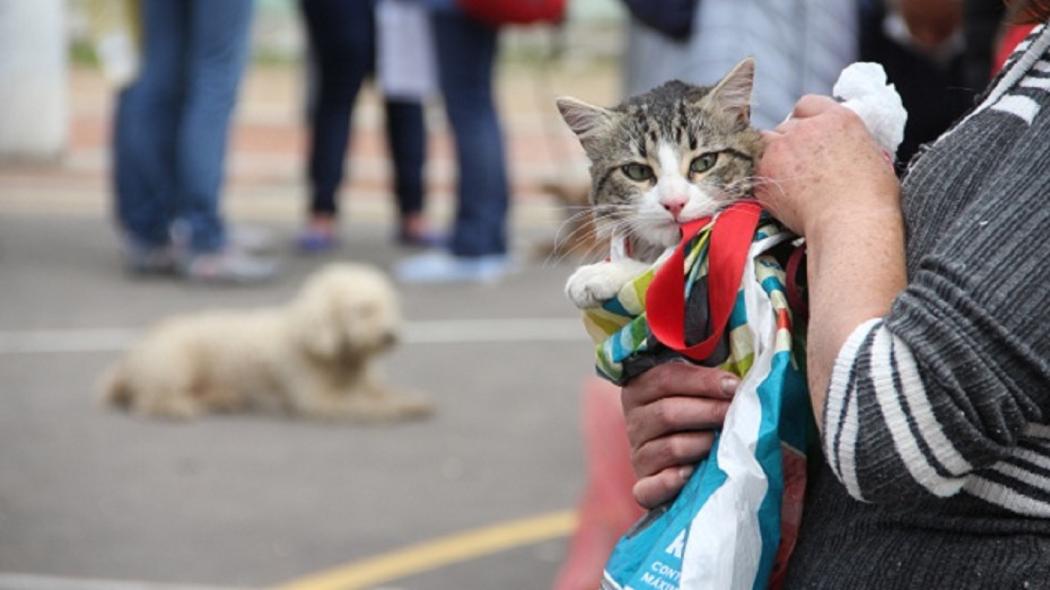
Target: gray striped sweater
x=936, y=434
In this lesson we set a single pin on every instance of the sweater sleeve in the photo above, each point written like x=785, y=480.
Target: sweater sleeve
x=945, y=384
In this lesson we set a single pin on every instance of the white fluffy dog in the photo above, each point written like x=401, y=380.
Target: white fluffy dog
x=312, y=358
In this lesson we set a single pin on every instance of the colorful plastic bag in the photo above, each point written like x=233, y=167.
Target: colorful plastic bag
x=735, y=522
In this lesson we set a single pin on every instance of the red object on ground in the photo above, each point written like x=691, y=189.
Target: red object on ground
x=1014, y=35
x=607, y=508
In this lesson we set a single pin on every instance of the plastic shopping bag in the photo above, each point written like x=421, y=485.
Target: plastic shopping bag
x=735, y=522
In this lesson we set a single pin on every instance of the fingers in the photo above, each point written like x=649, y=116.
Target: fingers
x=677, y=450
x=670, y=411
x=678, y=379
x=674, y=415
x=662, y=487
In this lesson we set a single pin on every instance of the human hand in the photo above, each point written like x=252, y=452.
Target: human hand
x=671, y=411
x=822, y=163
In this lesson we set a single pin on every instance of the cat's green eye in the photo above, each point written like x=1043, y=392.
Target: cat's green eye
x=638, y=172
x=703, y=163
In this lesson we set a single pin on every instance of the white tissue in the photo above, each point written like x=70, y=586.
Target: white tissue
x=862, y=88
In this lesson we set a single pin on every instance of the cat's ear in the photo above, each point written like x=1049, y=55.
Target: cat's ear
x=732, y=94
x=584, y=119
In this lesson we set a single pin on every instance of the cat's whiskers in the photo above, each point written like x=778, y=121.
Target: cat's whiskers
x=758, y=181
x=593, y=211
x=639, y=228
x=584, y=250
x=582, y=234
x=586, y=235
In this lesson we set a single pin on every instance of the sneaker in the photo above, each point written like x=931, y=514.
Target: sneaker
x=226, y=267
x=442, y=267
x=251, y=239
x=141, y=259
x=314, y=241
x=319, y=235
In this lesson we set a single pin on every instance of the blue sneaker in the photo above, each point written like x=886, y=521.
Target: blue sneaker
x=442, y=267
x=313, y=241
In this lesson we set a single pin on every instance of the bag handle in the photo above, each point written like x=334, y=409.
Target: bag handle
x=731, y=237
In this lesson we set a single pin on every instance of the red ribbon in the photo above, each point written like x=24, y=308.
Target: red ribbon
x=731, y=237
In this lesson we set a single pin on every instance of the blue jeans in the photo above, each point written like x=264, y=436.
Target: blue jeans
x=172, y=123
x=466, y=51
x=342, y=35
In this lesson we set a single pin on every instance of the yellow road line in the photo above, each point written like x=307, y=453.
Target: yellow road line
x=439, y=552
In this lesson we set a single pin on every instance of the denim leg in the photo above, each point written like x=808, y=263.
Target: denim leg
x=145, y=128
x=466, y=51
x=216, y=53
x=406, y=135
x=342, y=41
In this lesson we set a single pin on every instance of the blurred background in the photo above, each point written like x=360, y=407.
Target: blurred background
x=170, y=156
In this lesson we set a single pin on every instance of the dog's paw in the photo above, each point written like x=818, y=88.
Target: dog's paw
x=593, y=284
x=175, y=408
x=373, y=404
x=412, y=405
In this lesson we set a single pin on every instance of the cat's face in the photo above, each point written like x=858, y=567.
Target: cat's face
x=672, y=155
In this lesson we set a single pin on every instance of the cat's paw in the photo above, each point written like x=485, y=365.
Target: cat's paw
x=592, y=284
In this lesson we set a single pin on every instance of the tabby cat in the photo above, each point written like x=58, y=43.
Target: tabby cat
x=672, y=155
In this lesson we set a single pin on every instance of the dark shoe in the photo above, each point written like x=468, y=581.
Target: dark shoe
x=424, y=239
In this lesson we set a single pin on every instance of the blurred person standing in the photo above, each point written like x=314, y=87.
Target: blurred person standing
x=799, y=46
x=343, y=50
x=477, y=251
x=170, y=141
x=938, y=55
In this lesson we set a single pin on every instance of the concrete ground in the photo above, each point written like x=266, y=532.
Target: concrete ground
x=91, y=498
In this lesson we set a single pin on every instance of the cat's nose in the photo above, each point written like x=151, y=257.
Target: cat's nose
x=673, y=206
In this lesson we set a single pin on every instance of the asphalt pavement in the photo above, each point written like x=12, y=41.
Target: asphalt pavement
x=87, y=493
x=478, y=496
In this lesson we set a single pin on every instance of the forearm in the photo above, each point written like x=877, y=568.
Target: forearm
x=856, y=268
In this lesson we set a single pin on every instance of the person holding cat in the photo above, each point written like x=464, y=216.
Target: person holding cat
x=927, y=352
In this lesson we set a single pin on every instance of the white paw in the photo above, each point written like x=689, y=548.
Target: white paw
x=593, y=284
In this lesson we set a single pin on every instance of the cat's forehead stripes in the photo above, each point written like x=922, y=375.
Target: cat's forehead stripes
x=667, y=114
